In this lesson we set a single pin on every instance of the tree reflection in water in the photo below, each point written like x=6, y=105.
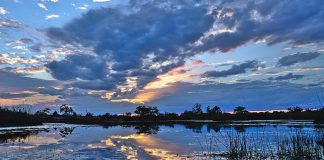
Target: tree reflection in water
x=147, y=129
x=17, y=136
x=66, y=131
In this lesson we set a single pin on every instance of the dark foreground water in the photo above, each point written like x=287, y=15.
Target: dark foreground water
x=178, y=141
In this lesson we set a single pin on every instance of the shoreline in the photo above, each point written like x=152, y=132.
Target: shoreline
x=172, y=122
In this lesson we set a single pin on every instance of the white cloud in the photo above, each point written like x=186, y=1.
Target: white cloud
x=3, y=10
x=41, y=5
x=83, y=7
x=54, y=1
x=101, y=0
x=51, y=16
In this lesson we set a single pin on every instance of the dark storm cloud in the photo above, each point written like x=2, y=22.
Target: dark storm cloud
x=128, y=40
x=288, y=76
x=292, y=21
x=82, y=66
x=235, y=69
x=96, y=85
x=125, y=40
x=296, y=58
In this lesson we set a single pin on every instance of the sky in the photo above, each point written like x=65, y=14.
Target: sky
x=113, y=55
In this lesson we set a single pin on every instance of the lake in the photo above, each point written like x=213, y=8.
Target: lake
x=150, y=141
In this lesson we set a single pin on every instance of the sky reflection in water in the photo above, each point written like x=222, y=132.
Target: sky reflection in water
x=63, y=141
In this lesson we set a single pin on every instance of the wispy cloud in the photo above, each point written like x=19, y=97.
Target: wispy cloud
x=297, y=58
x=288, y=76
x=308, y=69
x=51, y=16
x=235, y=69
x=41, y=5
x=101, y=0
x=3, y=10
x=83, y=7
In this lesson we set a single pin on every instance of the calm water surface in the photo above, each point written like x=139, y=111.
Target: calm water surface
x=190, y=141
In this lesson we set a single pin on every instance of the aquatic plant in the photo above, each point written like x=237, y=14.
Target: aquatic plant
x=236, y=145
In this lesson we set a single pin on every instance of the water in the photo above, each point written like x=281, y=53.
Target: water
x=178, y=141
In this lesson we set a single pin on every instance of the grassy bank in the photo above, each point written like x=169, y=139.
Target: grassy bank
x=18, y=117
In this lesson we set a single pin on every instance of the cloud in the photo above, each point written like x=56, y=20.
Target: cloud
x=255, y=95
x=142, y=43
x=18, y=81
x=17, y=89
x=274, y=21
x=83, y=7
x=3, y=10
x=222, y=64
x=309, y=69
x=235, y=69
x=9, y=23
x=15, y=95
x=101, y=0
x=35, y=99
x=288, y=76
x=242, y=80
x=7, y=26
x=78, y=66
x=20, y=41
x=197, y=62
x=25, y=70
x=51, y=16
x=41, y=5
x=145, y=39
x=14, y=88
x=296, y=58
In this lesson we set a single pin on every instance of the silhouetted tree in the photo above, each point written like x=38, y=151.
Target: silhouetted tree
x=89, y=115
x=295, y=109
x=196, y=109
x=66, y=110
x=240, y=110
x=321, y=109
x=55, y=113
x=106, y=115
x=208, y=110
x=146, y=111
x=43, y=112
x=214, y=110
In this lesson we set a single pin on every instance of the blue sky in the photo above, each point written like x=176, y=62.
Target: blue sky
x=113, y=55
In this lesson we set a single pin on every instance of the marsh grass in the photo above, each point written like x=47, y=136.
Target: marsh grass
x=301, y=146
x=259, y=146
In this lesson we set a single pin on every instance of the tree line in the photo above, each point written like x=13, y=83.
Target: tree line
x=144, y=113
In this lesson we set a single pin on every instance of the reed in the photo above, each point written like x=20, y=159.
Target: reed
x=235, y=145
